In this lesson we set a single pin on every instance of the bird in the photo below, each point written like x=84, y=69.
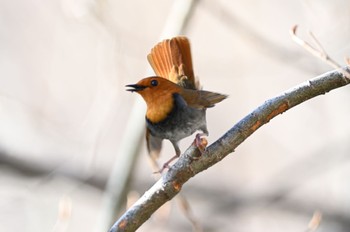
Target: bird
x=176, y=104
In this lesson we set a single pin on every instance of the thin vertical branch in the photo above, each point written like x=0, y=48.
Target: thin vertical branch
x=134, y=132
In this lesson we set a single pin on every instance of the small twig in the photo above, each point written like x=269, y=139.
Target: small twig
x=347, y=60
x=64, y=215
x=319, y=45
x=314, y=222
x=319, y=51
x=186, y=209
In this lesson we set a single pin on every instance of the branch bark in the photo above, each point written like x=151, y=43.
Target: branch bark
x=192, y=163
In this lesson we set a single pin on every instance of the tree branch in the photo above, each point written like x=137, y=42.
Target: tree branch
x=191, y=163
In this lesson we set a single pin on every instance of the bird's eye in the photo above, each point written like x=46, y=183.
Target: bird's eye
x=154, y=82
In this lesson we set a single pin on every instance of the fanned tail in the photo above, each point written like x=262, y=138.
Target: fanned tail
x=171, y=59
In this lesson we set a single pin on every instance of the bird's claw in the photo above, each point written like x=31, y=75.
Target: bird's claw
x=167, y=164
x=201, y=143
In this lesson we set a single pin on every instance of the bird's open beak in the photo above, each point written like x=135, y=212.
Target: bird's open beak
x=135, y=88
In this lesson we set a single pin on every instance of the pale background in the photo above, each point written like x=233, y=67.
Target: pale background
x=63, y=111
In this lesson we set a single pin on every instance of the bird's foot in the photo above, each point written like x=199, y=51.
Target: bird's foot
x=167, y=164
x=201, y=143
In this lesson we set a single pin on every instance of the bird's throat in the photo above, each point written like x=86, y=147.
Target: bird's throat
x=159, y=110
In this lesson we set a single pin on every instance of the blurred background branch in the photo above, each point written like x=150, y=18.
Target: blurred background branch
x=119, y=180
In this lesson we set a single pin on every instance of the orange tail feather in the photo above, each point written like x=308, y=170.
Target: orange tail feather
x=171, y=59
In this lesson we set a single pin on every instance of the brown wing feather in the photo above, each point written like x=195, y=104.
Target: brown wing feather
x=201, y=99
x=171, y=59
x=154, y=145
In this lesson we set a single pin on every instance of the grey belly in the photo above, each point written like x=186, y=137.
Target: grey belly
x=180, y=125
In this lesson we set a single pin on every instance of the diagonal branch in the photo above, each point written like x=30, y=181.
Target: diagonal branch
x=191, y=164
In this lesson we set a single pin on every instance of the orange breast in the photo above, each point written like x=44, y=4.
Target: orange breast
x=160, y=100
x=159, y=108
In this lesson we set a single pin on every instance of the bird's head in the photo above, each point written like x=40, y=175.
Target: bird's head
x=158, y=94
x=154, y=88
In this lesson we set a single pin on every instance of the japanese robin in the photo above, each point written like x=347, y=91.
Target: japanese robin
x=176, y=106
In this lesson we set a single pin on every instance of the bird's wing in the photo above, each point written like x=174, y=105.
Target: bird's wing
x=154, y=145
x=171, y=59
x=201, y=99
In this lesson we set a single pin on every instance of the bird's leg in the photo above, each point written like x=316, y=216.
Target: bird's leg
x=166, y=164
x=177, y=155
x=201, y=143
